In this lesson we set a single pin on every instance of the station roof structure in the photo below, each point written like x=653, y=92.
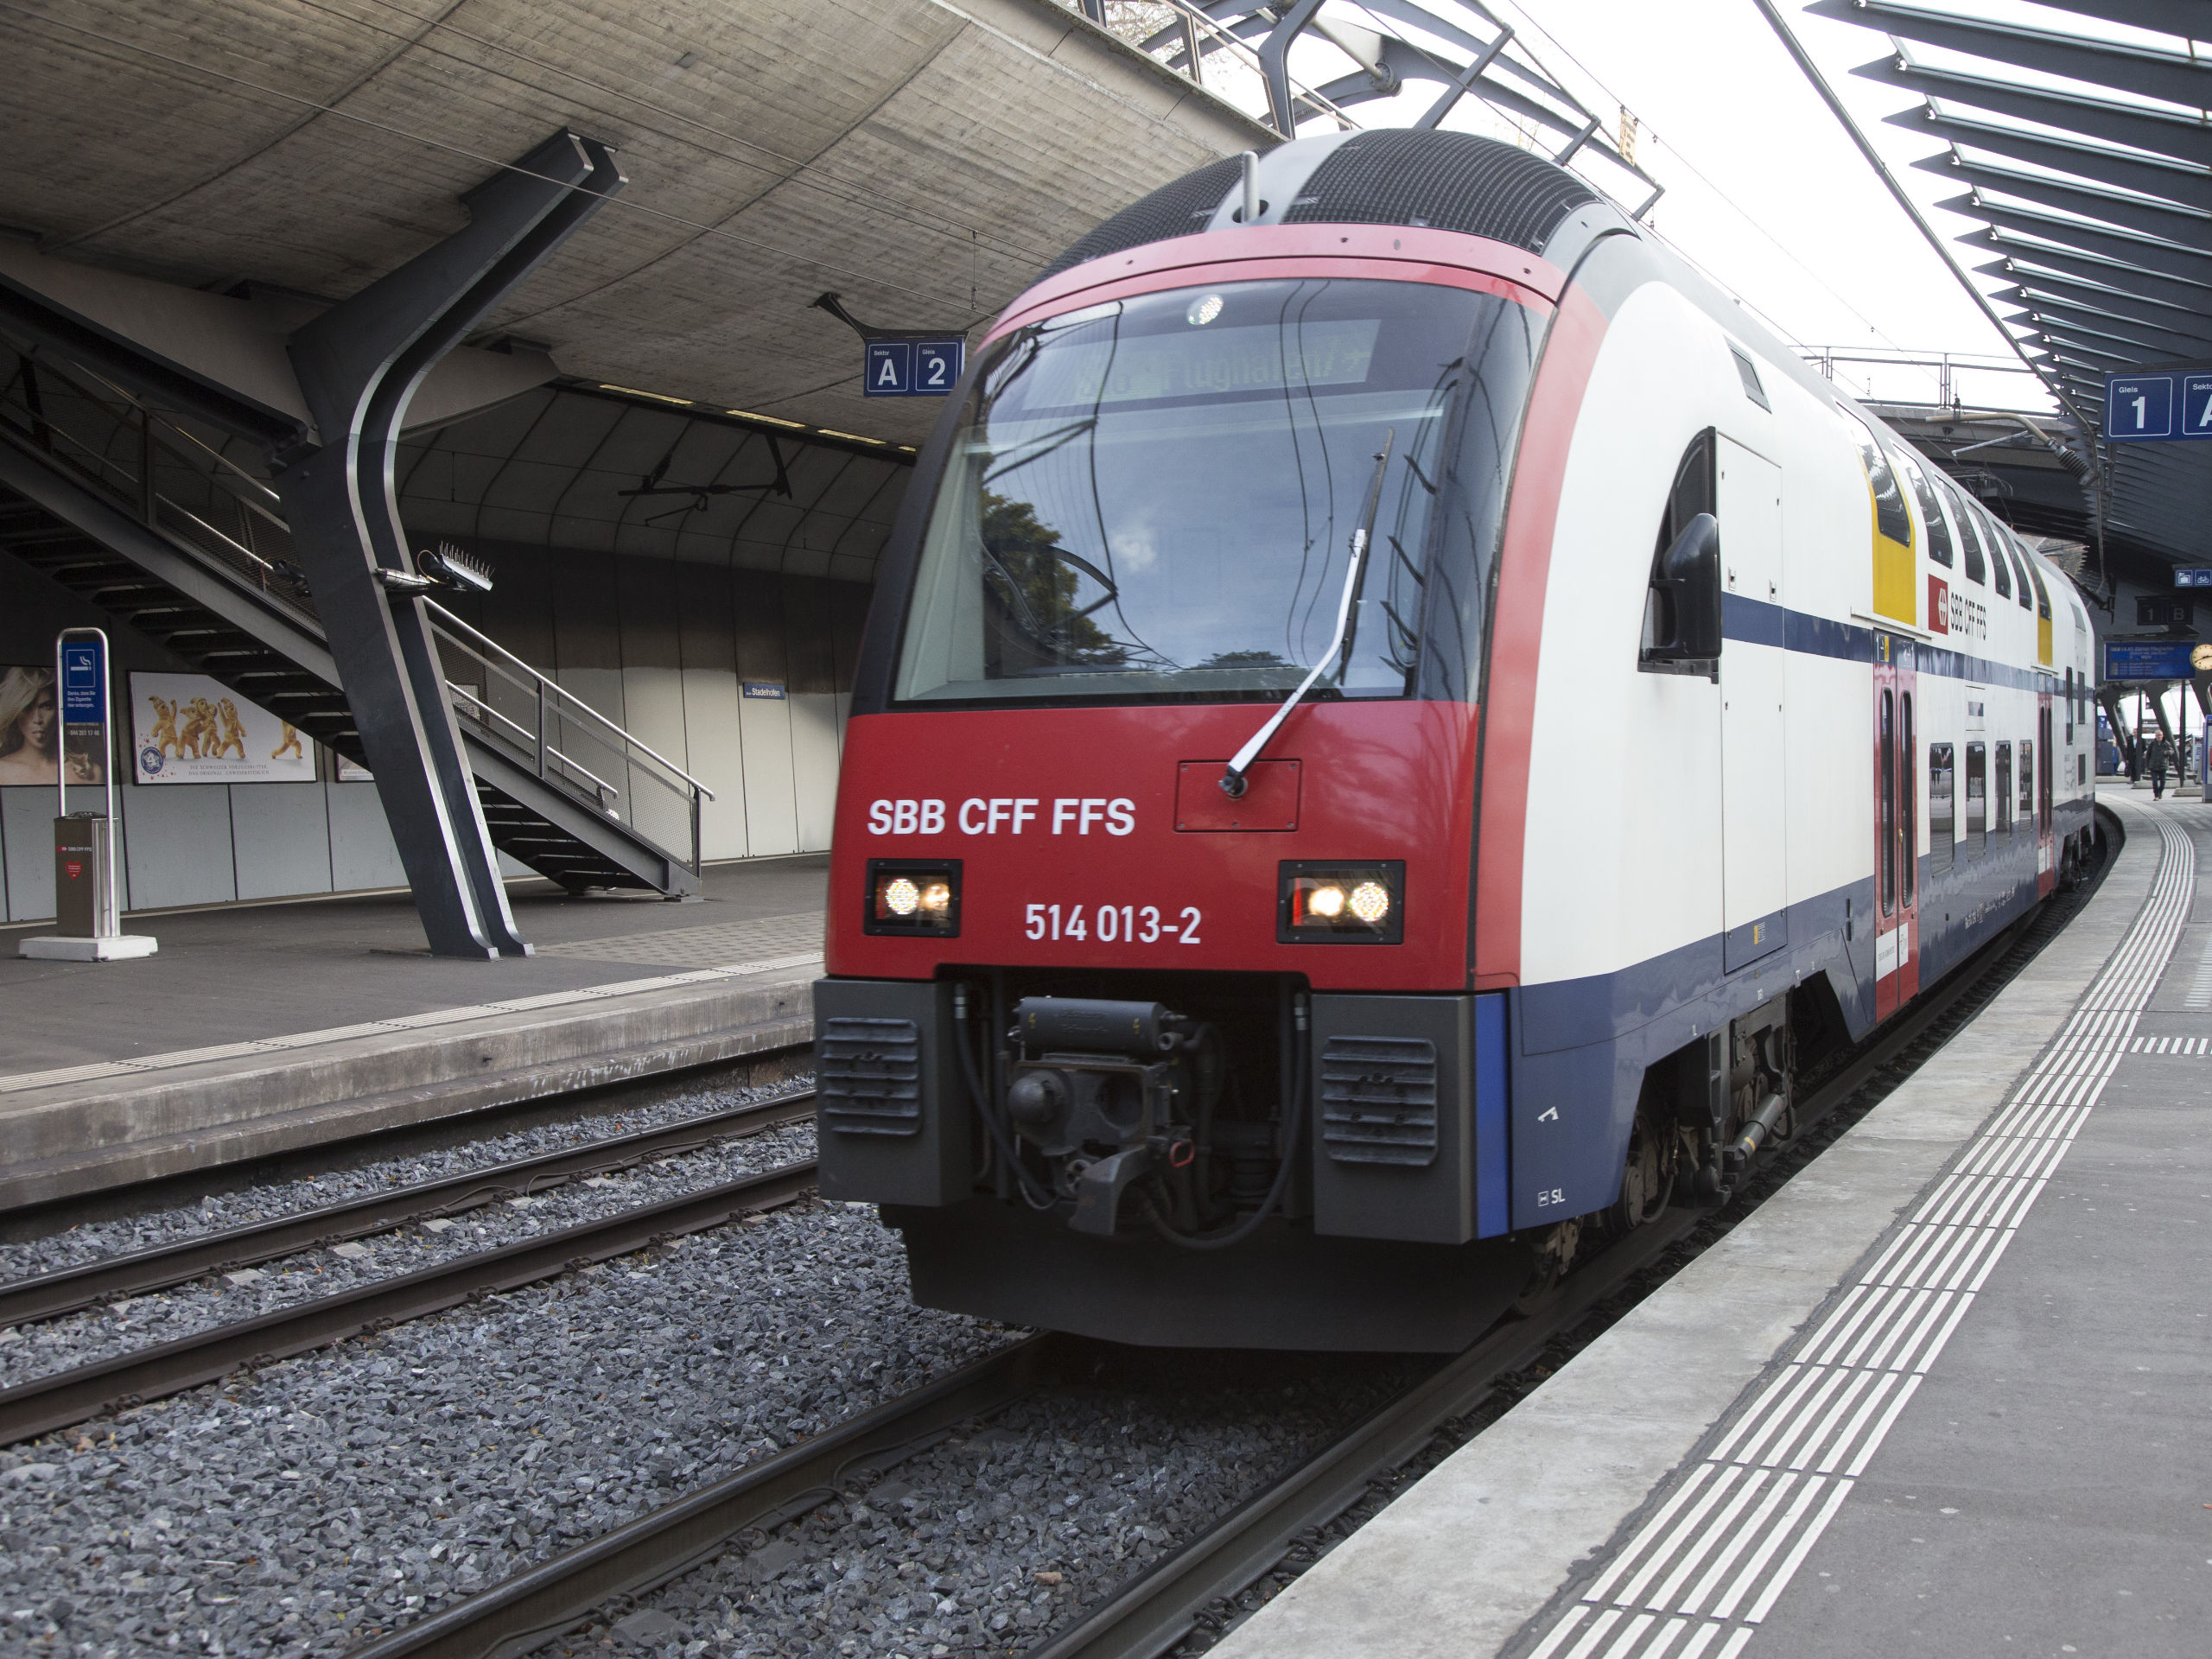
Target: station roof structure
x=2087, y=162
x=924, y=161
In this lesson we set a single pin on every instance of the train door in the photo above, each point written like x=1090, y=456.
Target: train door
x=2046, y=847
x=1896, y=825
x=1754, y=896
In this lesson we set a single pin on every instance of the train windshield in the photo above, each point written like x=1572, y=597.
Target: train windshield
x=1156, y=497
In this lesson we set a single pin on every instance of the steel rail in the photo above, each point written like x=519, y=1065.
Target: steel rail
x=67, y=1397
x=1156, y=1610
x=1153, y=1611
x=538, y=1603
x=69, y=1289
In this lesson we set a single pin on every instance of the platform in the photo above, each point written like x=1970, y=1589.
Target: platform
x=257, y=1029
x=1944, y=1392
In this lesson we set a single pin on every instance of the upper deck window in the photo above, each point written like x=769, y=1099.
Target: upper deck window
x=1939, y=533
x=1157, y=498
x=1891, y=518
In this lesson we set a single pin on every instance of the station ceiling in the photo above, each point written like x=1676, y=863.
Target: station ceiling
x=552, y=467
x=2087, y=166
x=922, y=160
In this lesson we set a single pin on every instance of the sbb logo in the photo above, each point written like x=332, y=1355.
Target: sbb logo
x=905, y=818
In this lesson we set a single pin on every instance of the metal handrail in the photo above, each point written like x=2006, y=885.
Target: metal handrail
x=558, y=690
x=104, y=416
x=574, y=764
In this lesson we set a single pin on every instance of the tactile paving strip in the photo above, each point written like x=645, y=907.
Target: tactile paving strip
x=1702, y=1572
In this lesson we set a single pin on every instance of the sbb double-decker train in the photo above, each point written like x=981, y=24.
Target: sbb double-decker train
x=1396, y=720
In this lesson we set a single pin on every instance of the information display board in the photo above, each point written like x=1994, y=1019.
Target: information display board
x=2147, y=659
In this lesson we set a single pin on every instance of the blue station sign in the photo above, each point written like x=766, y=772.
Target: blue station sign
x=2147, y=660
x=913, y=368
x=84, y=683
x=2159, y=408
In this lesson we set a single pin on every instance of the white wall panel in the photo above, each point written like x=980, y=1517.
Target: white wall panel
x=177, y=840
x=362, y=854
x=816, y=733
x=26, y=843
x=280, y=838
x=771, y=805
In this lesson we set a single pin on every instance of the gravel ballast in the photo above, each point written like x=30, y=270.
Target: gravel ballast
x=292, y=1511
x=47, y=1347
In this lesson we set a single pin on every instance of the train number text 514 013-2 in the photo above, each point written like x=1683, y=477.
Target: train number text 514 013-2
x=1112, y=924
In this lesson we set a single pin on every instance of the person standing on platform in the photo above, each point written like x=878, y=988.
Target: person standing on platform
x=2157, y=758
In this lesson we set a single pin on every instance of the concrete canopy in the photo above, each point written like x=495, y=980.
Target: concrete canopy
x=924, y=159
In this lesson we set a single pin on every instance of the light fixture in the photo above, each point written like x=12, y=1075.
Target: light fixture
x=1203, y=311
x=1360, y=903
x=657, y=396
x=913, y=896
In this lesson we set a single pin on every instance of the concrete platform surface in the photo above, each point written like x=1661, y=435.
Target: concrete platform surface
x=1947, y=1391
x=259, y=1029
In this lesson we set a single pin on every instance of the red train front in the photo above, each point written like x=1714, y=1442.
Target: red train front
x=1149, y=1011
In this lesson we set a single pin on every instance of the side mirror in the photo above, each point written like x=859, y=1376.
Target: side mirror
x=1687, y=628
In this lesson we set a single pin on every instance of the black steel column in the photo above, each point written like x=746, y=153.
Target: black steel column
x=358, y=365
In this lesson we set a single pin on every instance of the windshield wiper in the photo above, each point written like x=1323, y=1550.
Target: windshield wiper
x=1234, y=782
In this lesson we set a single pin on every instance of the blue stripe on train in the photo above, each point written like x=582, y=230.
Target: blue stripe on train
x=1579, y=1047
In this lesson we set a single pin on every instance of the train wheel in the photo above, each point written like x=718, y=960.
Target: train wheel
x=1555, y=1248
x=1648, y=1182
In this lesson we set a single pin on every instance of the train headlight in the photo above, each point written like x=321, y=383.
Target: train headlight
x=1342, y=904
x=908, y=896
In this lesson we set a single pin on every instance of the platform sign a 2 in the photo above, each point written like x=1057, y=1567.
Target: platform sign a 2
x=2169, y=407
x=913, y=368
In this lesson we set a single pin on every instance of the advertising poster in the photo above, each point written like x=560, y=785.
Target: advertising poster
x=30, y=725
x=186, y=729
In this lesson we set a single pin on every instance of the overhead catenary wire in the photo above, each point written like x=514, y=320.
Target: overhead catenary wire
x=1719, y=195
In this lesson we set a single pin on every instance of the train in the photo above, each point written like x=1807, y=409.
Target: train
x=1396, y=723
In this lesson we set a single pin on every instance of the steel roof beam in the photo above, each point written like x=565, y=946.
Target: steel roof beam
x=2016, y=258
x=2160, y=17
x=2180, y=225
x=2191, y=187
x=2144, y=70
x=2150, y=253
x=2176, y=136
x=2045, y=293
x=2144, y=346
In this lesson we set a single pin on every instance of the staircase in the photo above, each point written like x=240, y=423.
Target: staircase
x=170, y=539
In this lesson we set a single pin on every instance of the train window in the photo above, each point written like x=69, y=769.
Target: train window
x=2028, y=783
x=2004, y=789
x=1908, y=805
x=1977, y=799
x=2020, y=570
x=2069, y=702
x=1157, y=498
x=1931, y=514
x=1942, y=822
x=1748, y=374
x=2042, y=593
x=1889, y=516
x=1888, y=808
x=1968, y=538
x=2000, y=569
x=1695, y=489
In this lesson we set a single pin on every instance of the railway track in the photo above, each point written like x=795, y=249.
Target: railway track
x=1155, y=1610
x=71, y=1396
